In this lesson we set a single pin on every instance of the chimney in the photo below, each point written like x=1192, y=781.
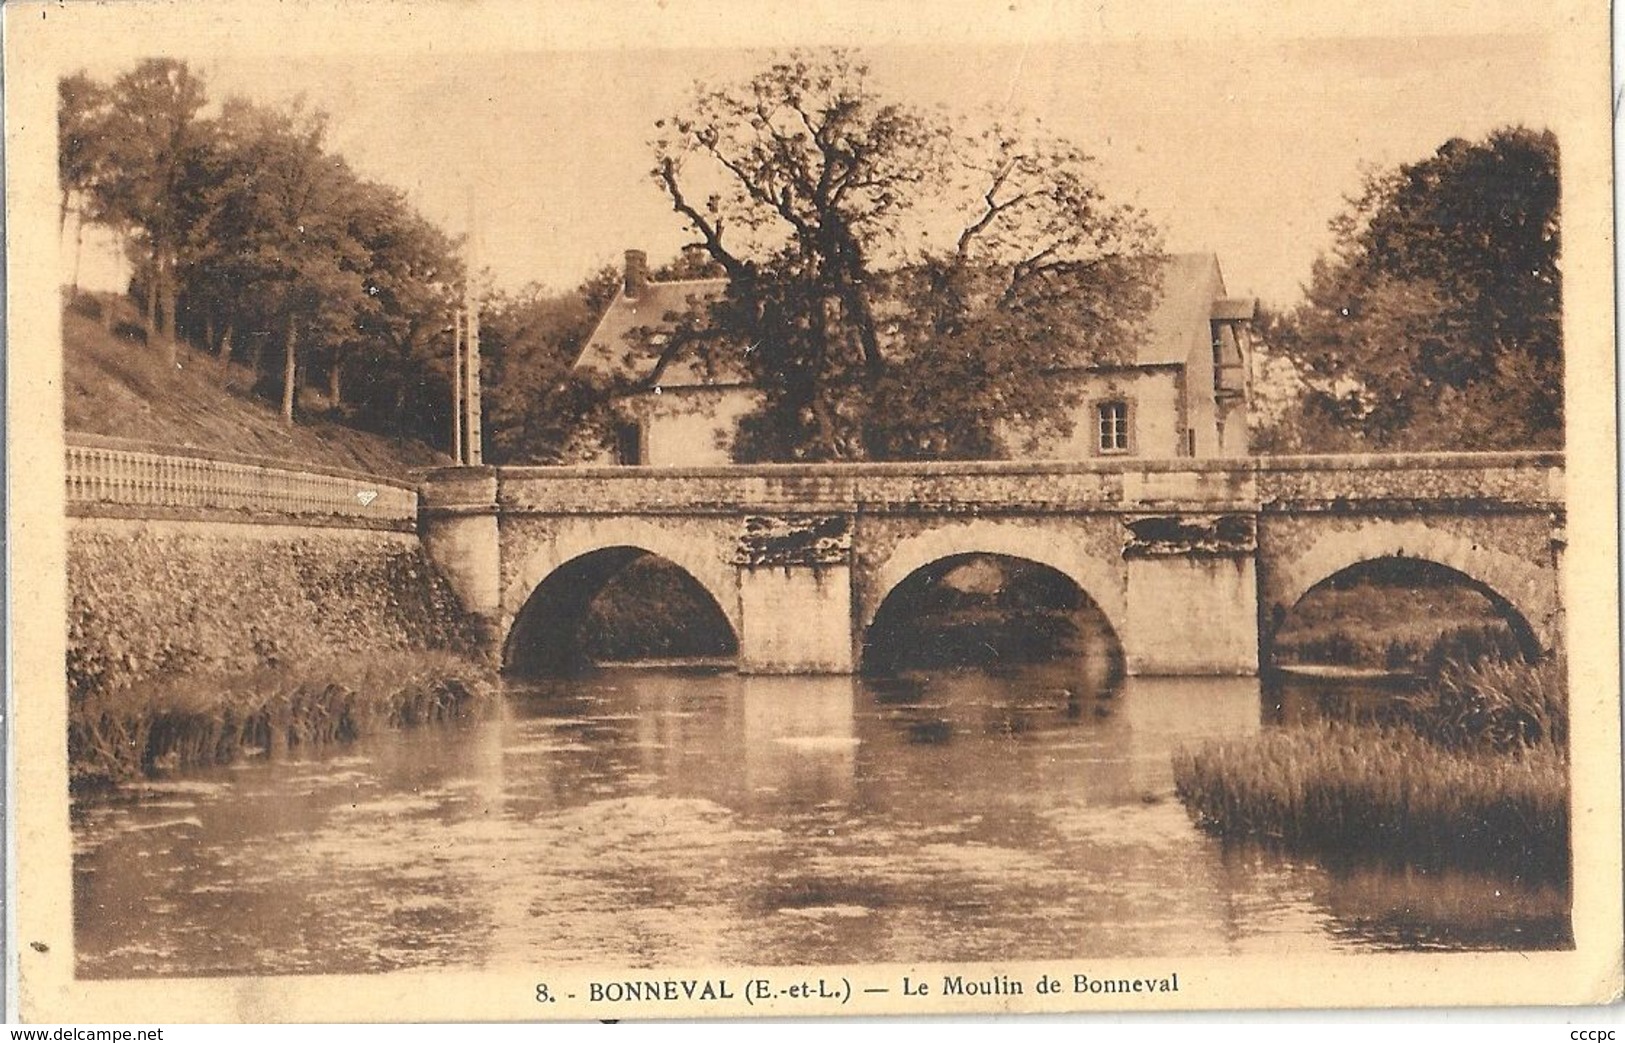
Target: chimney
x=637, y=273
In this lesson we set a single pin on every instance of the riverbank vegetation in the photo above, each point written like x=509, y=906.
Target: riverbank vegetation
x=187, y=648
x=1471, y=770
x=198, y=719
x=1391, y=615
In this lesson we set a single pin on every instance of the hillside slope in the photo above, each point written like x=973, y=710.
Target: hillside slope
x=116, y=386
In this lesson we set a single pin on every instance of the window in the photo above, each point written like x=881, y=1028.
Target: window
x=1113, y=426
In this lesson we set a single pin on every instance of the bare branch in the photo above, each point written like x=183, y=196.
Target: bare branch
x=666, y=171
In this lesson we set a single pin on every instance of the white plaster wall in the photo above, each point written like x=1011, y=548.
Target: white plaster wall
x=693, y=427
x=1154, y=398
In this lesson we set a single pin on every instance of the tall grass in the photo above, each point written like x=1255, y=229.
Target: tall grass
x=1471, y=771
x=193, y=720
x=1493, y=704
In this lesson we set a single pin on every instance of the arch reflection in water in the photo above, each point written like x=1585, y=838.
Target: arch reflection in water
x=754, y=742
x=599, y=819
x=799, y=737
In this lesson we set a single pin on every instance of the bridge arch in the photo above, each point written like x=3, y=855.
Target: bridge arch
x=695, y=552
x=576, y=556
x=1101, y=582
x=544, y=636
x=1525, y=591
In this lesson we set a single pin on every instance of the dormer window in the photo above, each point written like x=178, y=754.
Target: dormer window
x=1112, y=426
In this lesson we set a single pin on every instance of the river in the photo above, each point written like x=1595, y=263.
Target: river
x=638, y=817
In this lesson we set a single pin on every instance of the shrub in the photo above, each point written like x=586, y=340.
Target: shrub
x=1471, y=769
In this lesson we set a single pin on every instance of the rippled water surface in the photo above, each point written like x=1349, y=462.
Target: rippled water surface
x=640, y=817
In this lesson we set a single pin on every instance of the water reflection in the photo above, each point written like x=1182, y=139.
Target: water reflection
x=932, y=817
x=1403, y=908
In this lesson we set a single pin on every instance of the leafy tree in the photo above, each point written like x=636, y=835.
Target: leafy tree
x=897, y=287
x=252, y=235
x=286, y=204
x=150, y=137
x=538, y=410
x=1436, y=320
x=82, y=159
x=399, y=347
x=693, y=263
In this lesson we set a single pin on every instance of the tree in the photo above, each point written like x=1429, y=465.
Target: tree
x=537, y=408
x=150, y=137
x=1436, y=320
x=280, y=231
x=248, y=231
x=82, y=160
x=897, y=287
x=401, y=342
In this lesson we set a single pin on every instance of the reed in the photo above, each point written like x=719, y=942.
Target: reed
x=1473, y=771
x=1492, y=703
x=199, y=719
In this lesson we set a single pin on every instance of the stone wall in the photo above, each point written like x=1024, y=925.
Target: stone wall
x=147, y=597
x=1433, y=480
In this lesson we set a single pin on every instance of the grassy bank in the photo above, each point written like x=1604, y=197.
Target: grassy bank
x=113, y=385
x=1472, y=771
x=179, y=721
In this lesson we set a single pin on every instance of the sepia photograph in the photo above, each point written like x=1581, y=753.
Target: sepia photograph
x=675, y=510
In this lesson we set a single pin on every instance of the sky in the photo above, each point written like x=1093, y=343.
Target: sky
x=1246, y=147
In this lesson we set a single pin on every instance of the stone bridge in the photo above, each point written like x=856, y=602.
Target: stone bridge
x=1194, y=563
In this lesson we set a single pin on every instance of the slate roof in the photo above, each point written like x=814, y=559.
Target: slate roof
x=1178, y=323
x=609, y=350
x=1192, y=293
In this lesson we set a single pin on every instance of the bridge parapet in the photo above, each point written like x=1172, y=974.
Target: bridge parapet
x=1522, y=480
x=1048, y=487
x=835, y=489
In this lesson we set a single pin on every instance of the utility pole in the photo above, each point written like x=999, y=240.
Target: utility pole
x=471, y=337
x=474, y=454
x=457, y=386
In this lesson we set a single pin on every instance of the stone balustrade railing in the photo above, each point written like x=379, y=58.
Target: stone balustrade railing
x=104, y=479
